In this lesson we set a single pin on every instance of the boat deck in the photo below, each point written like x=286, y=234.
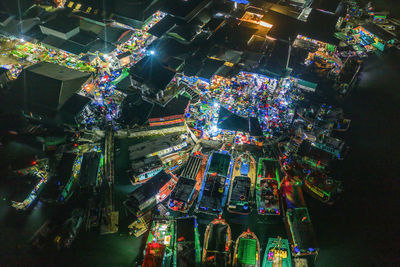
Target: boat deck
x=213, y=192
x=192, y=168
x=188, y=252
x=240, y=189
x=183, y=189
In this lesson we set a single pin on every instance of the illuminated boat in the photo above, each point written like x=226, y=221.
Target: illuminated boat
x=145, y=169
x=217, y=244
x=189, y=184
x=214, y=190
x=342, y=125
x=68, y=189
x=300, y=232
x=140, y=225
x=160, y=243
x=156, y=190
x=322, y=187
x=247, y=250
x=297, y=220
x=187, y=245
x=175, y=161
x=267, y=189
x=277, y=253
x=242, y=185
x=39, y=171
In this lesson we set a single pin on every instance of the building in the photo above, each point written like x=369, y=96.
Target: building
x=232, y=122
x=152, y=77
x=47, y=91
x=126, y=13
x=61, y=27
x=170, y=115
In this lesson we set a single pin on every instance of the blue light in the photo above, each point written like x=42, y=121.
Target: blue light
x=171, y=204
x=245, y=207
x=241, y=1
x=311, y=249
x=296, y=249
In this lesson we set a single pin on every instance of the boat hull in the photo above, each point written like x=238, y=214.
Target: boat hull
x=184, y=205
x=215, y=186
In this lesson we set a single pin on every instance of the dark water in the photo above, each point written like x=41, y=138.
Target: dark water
x=361, y=229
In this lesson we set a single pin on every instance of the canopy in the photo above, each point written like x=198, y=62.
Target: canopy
x=247, y=251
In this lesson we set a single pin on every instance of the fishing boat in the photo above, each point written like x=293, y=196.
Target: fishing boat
x=214, y=190
x=247, y=250
x=301, y=232
x=277, y=253
x=70, y=229
x=160, y=243
x=342, y=125
x=144, y=170
x=267, y=189
x=217, y=244
x=187, y=245
x=242, y=185
x=189, y=184
x=148, y=195
x=322, y=187
x=297, y=220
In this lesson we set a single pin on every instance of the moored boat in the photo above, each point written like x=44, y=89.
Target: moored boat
x=267, y=189
x=144, y=170
x=187, y=245
x=160, y=244
x=140, y=225
x=277, y=253
x=322, y=187
x=156, y=190
x=247, y=250
x=189, y=184
x=217, y=244
x=214, y=189
x=242, y=184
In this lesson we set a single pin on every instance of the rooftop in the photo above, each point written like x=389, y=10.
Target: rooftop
x=151, y=72
x=48, y=86
x=62, y=24
x=176, y=106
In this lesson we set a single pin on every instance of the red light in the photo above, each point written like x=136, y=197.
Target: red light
x=34, y=162
x=75, y=145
